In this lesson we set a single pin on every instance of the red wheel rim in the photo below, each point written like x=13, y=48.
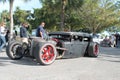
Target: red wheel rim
x=96, y=49
x=48, y=53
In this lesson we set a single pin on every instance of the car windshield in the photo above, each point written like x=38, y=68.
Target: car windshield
x=60, y=37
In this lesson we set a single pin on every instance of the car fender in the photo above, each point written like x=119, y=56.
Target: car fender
x=37, y=44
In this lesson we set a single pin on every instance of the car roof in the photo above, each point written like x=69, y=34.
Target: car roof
x=70, y=33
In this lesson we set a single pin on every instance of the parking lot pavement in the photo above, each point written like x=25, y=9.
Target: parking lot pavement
x=105, y=67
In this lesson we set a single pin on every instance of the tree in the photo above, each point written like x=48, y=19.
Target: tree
x=95, y=15
x=61, y=8
x=11, y=15
x=5, y=16
x=98, y=15
x=20, y=16
x=49, y=17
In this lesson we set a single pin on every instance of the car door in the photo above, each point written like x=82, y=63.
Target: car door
x=77, y=46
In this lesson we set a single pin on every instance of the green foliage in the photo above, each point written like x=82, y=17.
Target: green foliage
x=11, y=2
x=51, y=18
x=20, y=16
x=98, y=15
x=51, y=13
x=5, y=16
x=95, y=15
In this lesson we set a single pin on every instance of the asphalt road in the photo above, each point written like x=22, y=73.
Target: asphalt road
x=105, y=67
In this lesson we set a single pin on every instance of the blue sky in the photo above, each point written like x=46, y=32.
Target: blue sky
x=20, y=3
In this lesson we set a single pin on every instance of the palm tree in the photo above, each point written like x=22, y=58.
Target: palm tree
x=11, y=14
x=11, y=17
x=63, y=14
x=61, y=6
x=71, y=6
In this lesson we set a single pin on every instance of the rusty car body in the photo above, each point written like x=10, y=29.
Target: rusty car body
x=59, y=45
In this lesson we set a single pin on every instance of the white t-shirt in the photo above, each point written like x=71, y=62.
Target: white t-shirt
x=112, y=39
x=2, y=31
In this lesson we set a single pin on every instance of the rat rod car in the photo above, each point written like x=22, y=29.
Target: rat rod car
x=58, y=45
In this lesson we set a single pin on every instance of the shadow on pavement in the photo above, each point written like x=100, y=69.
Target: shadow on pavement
x=4, y=61
x=26, y=61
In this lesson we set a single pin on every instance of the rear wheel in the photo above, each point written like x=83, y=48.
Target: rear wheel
x=47, y=54
x=14, y=50
x=93, y=50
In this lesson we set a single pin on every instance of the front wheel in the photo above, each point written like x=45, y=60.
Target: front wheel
x=47, y=54
x=14, y=50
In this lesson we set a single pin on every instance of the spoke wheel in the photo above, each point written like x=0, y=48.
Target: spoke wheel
x=47, y=54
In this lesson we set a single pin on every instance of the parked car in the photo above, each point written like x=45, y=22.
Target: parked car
x=58, y=45
x=97, y=38
x=109, y=41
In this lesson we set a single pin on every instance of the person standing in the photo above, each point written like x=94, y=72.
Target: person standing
x=2, y=35
x=7, y=35
x=40, y=32
x=23, y=32
x=118, y=41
